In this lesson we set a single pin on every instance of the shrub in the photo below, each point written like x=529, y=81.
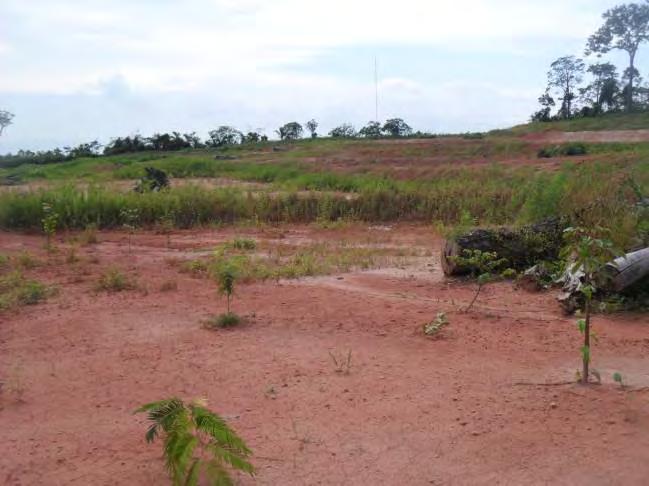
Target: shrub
x=113, y=280
x=244, y=244
x=229, y=319
x=16, y=290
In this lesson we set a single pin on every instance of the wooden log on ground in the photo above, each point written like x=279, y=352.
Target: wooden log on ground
x=624, y=272
x=522, y=247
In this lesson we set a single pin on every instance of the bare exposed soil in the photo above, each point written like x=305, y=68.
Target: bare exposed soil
x=412, y=410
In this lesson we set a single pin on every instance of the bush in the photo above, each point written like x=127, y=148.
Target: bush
x=113, y=280
x=229, y=319
x=569, y=150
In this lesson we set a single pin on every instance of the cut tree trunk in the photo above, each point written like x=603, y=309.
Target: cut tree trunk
x=624, y=272
x=522, y=247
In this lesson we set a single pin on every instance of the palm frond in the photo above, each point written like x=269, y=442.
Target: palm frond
x=214, y=426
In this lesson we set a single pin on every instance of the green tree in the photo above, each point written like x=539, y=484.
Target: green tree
x=224, y=136
x=625, y=28
x=290, y=131
x=588, y=251
x=312, y=126
x=196, y=442
x=396, y=127
x=603, y=89
x=565, y=75
x=343, y=131
x=6, y=119
x=371, y=130
x=545, y=113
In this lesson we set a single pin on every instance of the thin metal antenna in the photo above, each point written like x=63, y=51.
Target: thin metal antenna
x=376, y=87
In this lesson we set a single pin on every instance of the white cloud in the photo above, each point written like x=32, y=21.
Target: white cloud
x=257, y=62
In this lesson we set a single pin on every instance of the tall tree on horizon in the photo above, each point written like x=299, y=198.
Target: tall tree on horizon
x=625, y=28
x=565, y=74
x=6, y=119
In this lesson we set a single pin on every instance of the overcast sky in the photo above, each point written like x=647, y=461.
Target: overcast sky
x=78, y=70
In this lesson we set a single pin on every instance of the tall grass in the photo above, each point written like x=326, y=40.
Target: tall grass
x=604, y=193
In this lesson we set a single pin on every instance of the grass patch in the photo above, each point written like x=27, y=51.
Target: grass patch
x=222, y=321
x=113, y=280
x=16, y=291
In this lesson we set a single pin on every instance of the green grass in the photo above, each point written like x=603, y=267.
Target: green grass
x=16, y=290
x=113, y=280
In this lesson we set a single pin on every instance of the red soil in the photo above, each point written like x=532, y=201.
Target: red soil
x=412, y=410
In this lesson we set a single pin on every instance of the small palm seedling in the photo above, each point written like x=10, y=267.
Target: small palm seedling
x=588, y=253
x=434, y=327
x=197, y=443
x=130, y=221
x=483, y=265
x=49, y=223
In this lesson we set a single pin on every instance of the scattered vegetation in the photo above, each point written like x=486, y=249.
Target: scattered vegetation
x=197, y=443
x=49, y=222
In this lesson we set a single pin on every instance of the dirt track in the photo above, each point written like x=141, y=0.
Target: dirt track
x=411, y=411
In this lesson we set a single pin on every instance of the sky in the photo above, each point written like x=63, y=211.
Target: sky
x=73, y=71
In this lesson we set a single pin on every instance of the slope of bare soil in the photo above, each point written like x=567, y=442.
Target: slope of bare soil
x=412, y=410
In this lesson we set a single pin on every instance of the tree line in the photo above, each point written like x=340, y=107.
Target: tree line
x=625, y=28
x=221, y=137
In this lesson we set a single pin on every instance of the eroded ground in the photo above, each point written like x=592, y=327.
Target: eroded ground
x=411, y=410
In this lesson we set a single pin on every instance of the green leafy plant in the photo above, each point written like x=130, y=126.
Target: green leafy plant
x=130, y=222
x=434, y=327
x=587, y=251
x=483, y=265
x=226, y=279
x=617, y=378
x=246, y=244
x=49, y=223
x=197, y=443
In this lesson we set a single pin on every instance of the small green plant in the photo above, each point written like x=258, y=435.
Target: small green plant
x=113, y=280
x=617, y=378
x=196, y=443
x=226, y=279
x=49, y=223
x=246, y=244
x=587, y=251
x=434, y=327
x=483, y=265
x=130, y=222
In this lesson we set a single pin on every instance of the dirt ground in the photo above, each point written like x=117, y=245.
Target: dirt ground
x=602, y=136
x=412, y=410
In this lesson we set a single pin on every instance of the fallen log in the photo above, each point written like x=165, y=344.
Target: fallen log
x=624, y=272
x=521, y=247
x=617, y=277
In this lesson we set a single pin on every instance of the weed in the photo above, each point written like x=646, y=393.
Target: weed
x=229, y=319
x=196, y=442
x=617, y=378
x=71, y=256
x=342, y=363
x=16, y=290
x=483, y=265
x=434, y=327
x=246, y=244
x=26, y=261
x=113, y=280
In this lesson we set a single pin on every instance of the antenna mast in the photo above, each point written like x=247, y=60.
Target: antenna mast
x=376, y=88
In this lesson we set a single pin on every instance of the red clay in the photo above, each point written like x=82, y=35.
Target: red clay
x=411, y=411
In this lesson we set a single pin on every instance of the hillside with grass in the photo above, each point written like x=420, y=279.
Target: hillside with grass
x=498, y=178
